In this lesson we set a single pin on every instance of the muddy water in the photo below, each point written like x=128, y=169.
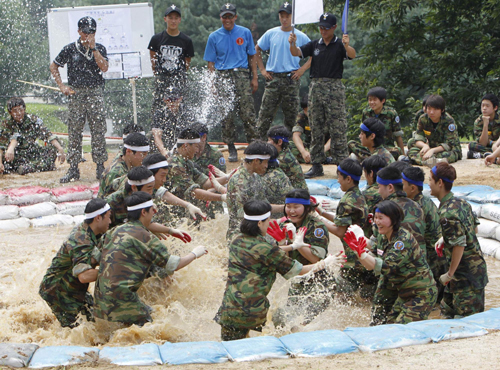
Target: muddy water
x=183, y=307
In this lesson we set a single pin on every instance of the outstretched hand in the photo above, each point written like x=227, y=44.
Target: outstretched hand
x=185, y=237
x=276, y=232
x=358, y=245
x=298, y=242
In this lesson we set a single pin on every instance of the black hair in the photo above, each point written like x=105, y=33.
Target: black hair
x=445, y=170
x=132, y=127
x=393, y=211
x=437, y=102
x=137, y=174
x=377, y=92
x=15, y=102
x=304, y=101
x=303, y=194
x=377, y=128
x=424, y=101
x=93, y=206
x=254, y=207
x=257, y=147
x=374, y=163
x=415, y=174
x=279, y=130
x=134, y=199
x=135, y=139
x=200, y=128
x=351, y=166
x=492, y=98
x=152, y=159
x=273, y=161
x=188, y=134
x=391, y=173
x=400, y=165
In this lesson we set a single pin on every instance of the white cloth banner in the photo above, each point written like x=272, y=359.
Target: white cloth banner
x=307, y=11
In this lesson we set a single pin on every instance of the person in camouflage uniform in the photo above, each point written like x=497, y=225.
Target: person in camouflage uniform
x=135, y=148
x=406, y=290
x=65, y=284
x=372, y=137
x=436, y=137
x=371, y=166
x=279, y=137
x=19, y=149
x=486, y=128
x=206, y=153
x=413, y=185
x=129, y=252
x=467, y=275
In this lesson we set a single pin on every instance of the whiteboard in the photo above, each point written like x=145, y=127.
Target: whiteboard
x=124, y=29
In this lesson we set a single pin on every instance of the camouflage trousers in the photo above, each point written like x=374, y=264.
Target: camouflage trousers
x=228, y=333
x=327, y=114
x=474, y=146
x=356, y=279
x=66, y=309
x=34, y=159
x=87, y=104
x=363, y=152
x=414, y=154
x=234, y=86
x=402, y=306
x=463, y=302
x=438, y=266
x=280, y=90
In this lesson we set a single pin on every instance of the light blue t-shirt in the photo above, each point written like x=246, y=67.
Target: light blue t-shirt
x=229, y=49
x=276, y=41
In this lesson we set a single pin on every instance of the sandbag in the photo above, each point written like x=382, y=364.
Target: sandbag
x=38, y=210
x=28, y=195
x=4, y=198
x=255, y=349
x=16, y=354
x=63, y=356
x=317, y=188
x=141, y=355
x=489, y=246
x=464, y=190
x=16, y=223
x=193, y=353
x=376, y=338
x=72, y=208
x=484, y=196
x=476, y=208
x=439, y=330
x=52, y=220
x=71, y=193
x=491, y=212
x=335, y=192
x=9, y=212
x=77, y=220
x=497, y=233
x=318, y=343
x=486, y=228
x=95, y=189
x=427, y=190
x=486, y=320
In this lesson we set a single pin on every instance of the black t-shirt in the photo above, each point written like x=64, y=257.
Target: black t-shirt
x=171, y=52
x=327, y=61
x=83, y=70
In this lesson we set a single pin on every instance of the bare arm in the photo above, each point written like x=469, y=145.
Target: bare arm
x=299, y=72
x=401, y=144
x=88, y=276
x=254, y=83
x=351, y=53
x=152, y=56
x=186, y=260
x=188, y=62
x=483, y=139
x=294, y=50
x=308, y=255
x=11, y=149
x=54, y=70
x=157, y=137
x=102, y=63
x=300, y=146
x=207, y=195
x=260, y=63
x=57, y=145
x=211, y=66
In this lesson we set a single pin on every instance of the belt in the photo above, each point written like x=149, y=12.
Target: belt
x=234, y=70
x=326, y=79
x=281, y=73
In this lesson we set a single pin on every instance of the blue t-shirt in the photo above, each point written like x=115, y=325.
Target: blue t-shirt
x=276, y=41
x=229, y=49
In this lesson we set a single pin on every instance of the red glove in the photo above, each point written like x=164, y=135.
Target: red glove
x=211, y=169
x=313, y=200
x=275, y=231
x=185, y=237
x=357, y=245
x=370, y=218
x=282, y=219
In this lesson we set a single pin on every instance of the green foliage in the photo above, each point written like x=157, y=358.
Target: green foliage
x=53, y=116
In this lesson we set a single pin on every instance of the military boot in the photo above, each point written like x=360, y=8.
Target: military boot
x=315, y=171
x=99, y=171
x=72, y=174
x=233, y=153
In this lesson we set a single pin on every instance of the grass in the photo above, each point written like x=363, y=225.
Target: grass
x=50, y=114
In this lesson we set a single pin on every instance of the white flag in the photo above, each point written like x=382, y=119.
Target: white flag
x=307, y=11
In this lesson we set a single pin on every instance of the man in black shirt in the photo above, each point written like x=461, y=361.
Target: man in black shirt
x=326, y=91
x=87, y=61
x=171, y=52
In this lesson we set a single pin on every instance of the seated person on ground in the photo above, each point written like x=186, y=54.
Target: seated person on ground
x=372, y=137
x=486, y=128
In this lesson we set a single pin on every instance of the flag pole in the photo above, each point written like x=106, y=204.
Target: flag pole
x=293, y=16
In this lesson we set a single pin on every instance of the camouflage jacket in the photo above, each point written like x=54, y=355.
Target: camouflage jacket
x=118, y=207
x=253, y=264
x=493, y=128
x=458, y=225
x=210, y=156
x=183, y=177
x=316, y=235
x=401, y=263
x=302, y=126
x=291, y=168
x=277, y=185
x=384, y=153
x=372, y=197
x=389, y=117
x=128, y=253
x=117, y=169
x=73, y=258
x=241, y=188
x=26, y=132
x=432, y=226
x=444, y=133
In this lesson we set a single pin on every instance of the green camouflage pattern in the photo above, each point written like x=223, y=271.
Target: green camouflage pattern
x=493, y=134
x=277, y=185
x=389, y=117
x=292, y=169
x=129, y=251
x=461, y=303
x=60, y=288
x=372, y=197
x=252, y=268
x=302, y=126
x=363, y=152
x=211, y=156
x=406, y=289
x=444, y=133
x=116, y=170
x=118, y=206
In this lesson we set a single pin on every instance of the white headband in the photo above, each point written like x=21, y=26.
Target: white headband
x=141, y=182
x=141, y=132
x=188, y=141
x=263, y=217
x=158, y=165
x=137, y=148
x=89, y=216
x=147, y=204
x=257, y=156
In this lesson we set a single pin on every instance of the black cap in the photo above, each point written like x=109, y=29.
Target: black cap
x=172, y=93
x=227, y=9
x=286, y=7
x=327, y=20
x=87, y=25
x=172, y=8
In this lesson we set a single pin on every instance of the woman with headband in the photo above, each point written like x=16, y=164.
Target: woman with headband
x=467, y=276
x=406, y=289
x=252, y=268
